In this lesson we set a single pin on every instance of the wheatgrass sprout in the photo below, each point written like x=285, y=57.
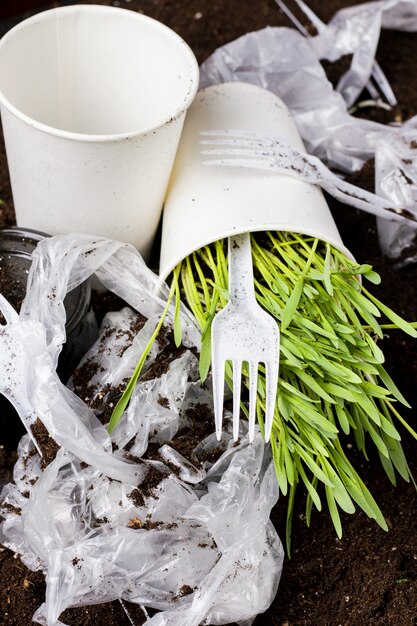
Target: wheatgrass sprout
x=332, y=381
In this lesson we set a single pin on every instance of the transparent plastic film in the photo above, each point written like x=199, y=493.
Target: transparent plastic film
x=138, y=517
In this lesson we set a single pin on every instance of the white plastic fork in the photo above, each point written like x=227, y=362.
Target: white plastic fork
x=244, y=332
x=267, y=151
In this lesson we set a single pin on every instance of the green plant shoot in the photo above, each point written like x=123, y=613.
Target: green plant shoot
x=333, y=389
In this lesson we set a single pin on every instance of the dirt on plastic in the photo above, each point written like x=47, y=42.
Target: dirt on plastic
x=369, y=577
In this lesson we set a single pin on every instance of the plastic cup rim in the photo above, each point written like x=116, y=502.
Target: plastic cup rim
x=113, y=137
x=164, y=272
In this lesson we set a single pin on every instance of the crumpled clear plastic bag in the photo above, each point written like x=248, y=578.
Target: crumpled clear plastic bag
x=285, y=62
x=355, y=30
x=197, y=544
x=396, y=179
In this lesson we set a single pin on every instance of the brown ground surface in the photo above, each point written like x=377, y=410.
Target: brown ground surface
x=369, y=578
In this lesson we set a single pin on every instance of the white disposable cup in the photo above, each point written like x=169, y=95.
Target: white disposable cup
x=93, y=99
x=208, y=203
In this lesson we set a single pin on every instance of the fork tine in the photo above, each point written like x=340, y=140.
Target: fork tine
x=253, y=387
x=312, y=170
x=244, y=151
x=264, y=164
x=218, y=393
x=238, y=142
x=238, y=133
x=237, y=381
x=271, y=375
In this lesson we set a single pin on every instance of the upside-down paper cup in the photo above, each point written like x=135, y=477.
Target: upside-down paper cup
x=208, y=203
x=93, y=100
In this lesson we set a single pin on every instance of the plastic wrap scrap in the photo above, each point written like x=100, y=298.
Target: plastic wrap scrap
x=396, y=179
x=288, y=64
x=187, y=535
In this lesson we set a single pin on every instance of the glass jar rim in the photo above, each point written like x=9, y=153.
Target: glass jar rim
x=21, y=242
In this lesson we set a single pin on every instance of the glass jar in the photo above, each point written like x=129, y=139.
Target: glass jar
x=16, y=247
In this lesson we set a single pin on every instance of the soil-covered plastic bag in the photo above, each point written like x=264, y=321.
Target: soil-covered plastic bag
x=396, y=179
x=288, y=64
x=159, y=513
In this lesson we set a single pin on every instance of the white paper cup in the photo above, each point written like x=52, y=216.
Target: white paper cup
x=93, y=100
x=208, y=203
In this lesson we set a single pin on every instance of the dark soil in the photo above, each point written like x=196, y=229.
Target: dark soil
x=369, y=578
x=200, y=424
x=168, y=353
x=149, y=486
x=103, y=399
x=11, y=287
x=104, y=302
x=335, y=69
x=164, y=402
x=48, y=446
x=185, y=590
x=7, y=461
x=23, y=591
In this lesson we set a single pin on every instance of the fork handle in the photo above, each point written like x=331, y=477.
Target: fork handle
x=241, y=285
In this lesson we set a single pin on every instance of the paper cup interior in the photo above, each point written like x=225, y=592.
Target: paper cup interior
x=96, y=70
x=208, y=203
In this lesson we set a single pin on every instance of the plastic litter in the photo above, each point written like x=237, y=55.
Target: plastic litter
x=355, y=30
x=269, y=152
x=199, y=546
x=396, y=179
x=233, y=200
x=287, y=63
x=57, y=69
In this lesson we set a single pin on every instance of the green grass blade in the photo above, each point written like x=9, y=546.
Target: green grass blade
x=177, y=317
x=334, y=514
x=389, y=313
x=125, y=398
x=292, y=303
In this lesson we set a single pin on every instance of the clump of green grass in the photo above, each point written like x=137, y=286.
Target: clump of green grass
x=333, y=389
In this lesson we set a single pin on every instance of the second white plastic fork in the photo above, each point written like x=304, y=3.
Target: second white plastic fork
x=267, y=151
x=243, y=332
